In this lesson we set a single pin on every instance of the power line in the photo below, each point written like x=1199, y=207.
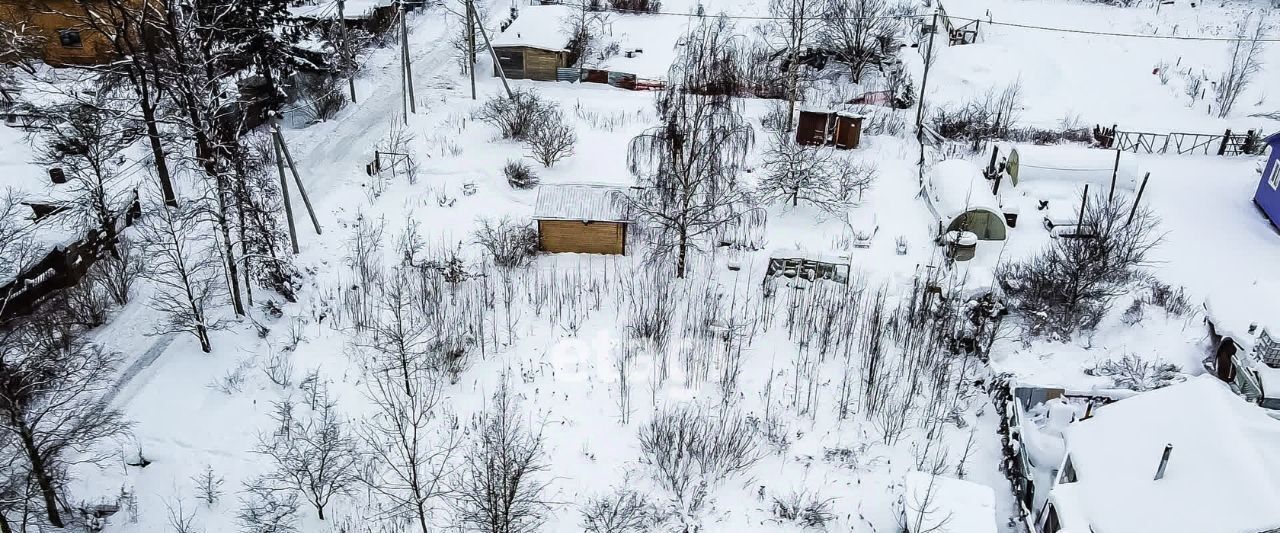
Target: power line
x=927, y=15
x=1115, y=34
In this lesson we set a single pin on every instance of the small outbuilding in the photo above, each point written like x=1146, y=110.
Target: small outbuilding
x=582, y=218
x=535, y=46
x=1268, y=194
x=825, y=127
x=960, y=198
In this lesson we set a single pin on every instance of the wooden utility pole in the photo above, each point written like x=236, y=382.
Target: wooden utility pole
x=284, y=193
x=297, y=180
x=496, y=64
x=924, y=82
x=1115, y=171
x=471, y=45
x=346, y=50
x=1134, y=209
x=406, y=68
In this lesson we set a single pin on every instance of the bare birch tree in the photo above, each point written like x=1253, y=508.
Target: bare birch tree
x=184, y=268
x=314, y=454
x=688, y=165
x=53, y=405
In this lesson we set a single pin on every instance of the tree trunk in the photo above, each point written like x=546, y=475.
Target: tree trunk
x=4, y=524
x=202, y=333
x=43, y=479
x=157, y=149
x=320, y=511
x=683, y=253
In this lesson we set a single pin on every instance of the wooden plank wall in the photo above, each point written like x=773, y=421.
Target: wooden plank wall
x=540, y=64
x=570, y=236
x=45, y=20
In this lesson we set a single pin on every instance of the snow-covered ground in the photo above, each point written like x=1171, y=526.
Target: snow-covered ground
x=560, y=365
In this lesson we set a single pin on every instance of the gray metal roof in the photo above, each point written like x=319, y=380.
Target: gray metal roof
x=584, y=202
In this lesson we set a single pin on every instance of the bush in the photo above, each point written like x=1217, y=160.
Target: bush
x=1135, y=373
x=803, y=508
x=988, y=116
x=642, y=6
x=552, y=138
x=691, y=451
x=509, y=243
x=323, y=95
x=1174, y=301
x=623, y=511
x=519, y=175
x=1069, y=286
x=516, y=116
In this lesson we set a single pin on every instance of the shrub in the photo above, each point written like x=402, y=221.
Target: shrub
x=1174, y=301
x=1069, y=286
x=803, y=508
x=552, y=138
x=1135, y=373
x=509, y=243
x=987, y=116
x=516, y=116
x=519, y=175
x=642, y=6
x=623, y=511
x=691, y=451
x=323, y=95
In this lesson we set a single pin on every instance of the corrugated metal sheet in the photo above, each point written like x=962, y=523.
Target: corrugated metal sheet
x=568, y=74
x=584, y=202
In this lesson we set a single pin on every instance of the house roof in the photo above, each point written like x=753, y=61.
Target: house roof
x=582, y=202
x=938, y=504
x=956, y=186
x=539, y=27
x=1223, y=475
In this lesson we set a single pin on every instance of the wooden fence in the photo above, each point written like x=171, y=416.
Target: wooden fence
x=63, y=266
x=1183, y=143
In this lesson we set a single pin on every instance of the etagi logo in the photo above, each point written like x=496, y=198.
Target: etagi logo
x=604, y=357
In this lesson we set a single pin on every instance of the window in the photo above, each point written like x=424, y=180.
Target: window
x=1274, y=179
x=70, y=38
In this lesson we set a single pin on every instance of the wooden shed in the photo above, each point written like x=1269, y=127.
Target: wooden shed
x=818, y=127
x=582, y=218
x=535, y=44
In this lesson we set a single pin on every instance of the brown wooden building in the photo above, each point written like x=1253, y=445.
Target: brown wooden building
x=582, y=218
x=57, y=31
x=535, y=45
x=824, y=127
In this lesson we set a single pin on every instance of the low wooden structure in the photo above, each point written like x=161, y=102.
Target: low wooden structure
x=582, y=218
x=829, y=128
x=529, y=62
x=64, y=265
x=535, y=46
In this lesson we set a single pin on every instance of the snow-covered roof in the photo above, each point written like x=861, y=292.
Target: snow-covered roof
x=657, y=39
x=940, y=504
x=351, y=9
x=956, y=186
x=1235, y=309
x=582, y=202
x=1223, y=475
x=539, y=27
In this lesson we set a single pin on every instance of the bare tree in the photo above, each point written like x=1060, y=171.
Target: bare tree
x=86, y=143
x=314, y=455
x=118, y=274
x=817, y=176
x=861, y=33
x=184, y=267
x=410, y=445
x=622, y=511
x=264, y=509
x=1245, y=63
x=688, y=164
x=1070, y=285
x=499, y=486
x=208, y=485
x=53, y=405
x=795, y=20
